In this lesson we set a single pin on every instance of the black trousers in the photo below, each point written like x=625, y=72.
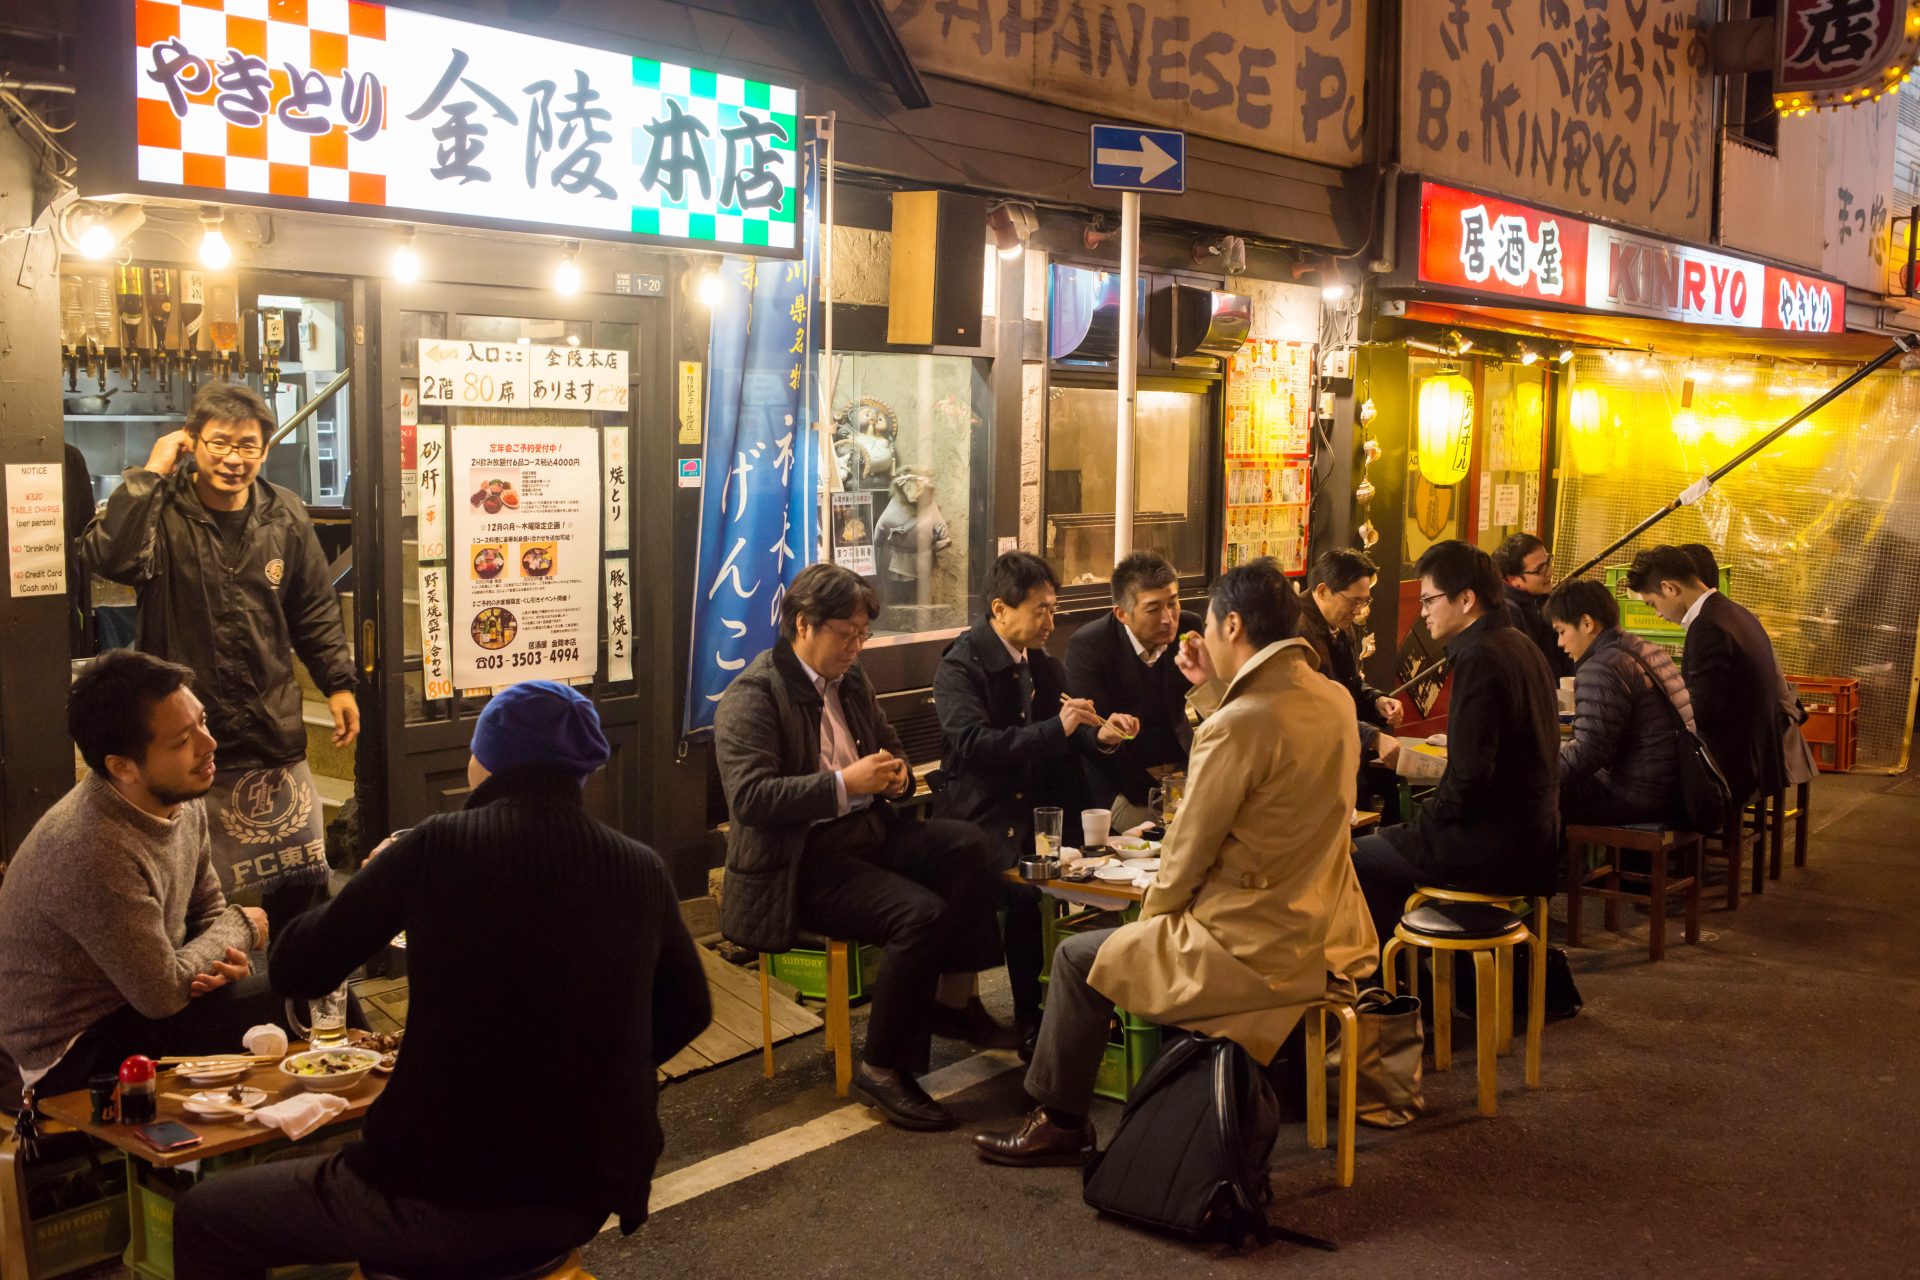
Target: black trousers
x=1386, y=880
x=923, y=890
x=239, y=1223
x=212, y=1023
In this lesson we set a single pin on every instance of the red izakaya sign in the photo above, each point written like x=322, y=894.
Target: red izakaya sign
x=1485, y=245
x=1853, y=47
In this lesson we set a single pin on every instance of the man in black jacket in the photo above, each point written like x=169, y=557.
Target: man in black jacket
x=1731, y=673
x=233, y=584
x=1124, y=662
x=1009, y=735
x=1339, y=591
x=519, y=902
x=1796, y=756
x=1526, y=566
x=809, y=762
x=1492, y=823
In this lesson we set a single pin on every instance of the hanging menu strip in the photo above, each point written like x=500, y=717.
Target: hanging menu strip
x=619, y=621
x=519, y=375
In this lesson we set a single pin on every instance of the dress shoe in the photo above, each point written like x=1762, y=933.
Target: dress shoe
x=973, y=1024
x=898, y=1097
x=1038, y=1141
x=1027, y=1028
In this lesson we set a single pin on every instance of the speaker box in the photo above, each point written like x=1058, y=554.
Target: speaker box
x=935, y=281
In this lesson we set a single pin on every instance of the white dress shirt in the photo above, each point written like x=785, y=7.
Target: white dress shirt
x=1148, y=656
x=837, y=748
x=1686, y=619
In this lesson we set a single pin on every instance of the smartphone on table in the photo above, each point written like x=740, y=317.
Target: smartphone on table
x=167, y=1135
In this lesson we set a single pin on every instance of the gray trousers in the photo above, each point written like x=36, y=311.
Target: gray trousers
x=1073, y=1033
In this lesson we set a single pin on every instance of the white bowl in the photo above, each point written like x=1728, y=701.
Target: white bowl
x=336, y=1082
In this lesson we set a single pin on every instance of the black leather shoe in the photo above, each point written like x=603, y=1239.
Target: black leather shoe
x=1028, y=1030
x=1038, y=1141
x=899, y=1097
x=973, y=1024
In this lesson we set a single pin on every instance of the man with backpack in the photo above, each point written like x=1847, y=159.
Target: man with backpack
x=1255, y=910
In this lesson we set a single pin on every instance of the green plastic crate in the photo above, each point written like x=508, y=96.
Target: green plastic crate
x=78, y=1217
x=806, y=971
x=1636, y=617
x=1124, y=1063
x=152, y=1201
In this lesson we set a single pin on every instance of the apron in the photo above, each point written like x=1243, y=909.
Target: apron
x=267, y=829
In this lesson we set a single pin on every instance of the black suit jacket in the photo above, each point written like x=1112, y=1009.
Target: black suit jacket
x=1733, y=680
x=1102, y=665
x=999, y=758
x=1340, y=662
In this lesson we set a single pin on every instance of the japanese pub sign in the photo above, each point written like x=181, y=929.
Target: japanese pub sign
x=383, y=110
x=1485, y=245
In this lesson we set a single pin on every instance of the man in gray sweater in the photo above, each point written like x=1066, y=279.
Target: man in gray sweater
x=114, y=936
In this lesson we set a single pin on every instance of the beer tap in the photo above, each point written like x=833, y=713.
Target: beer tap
x=159, y=320
x=223, y=307
x=97, y=316
x=193, y=301
x=73, y=328
x=130, y=301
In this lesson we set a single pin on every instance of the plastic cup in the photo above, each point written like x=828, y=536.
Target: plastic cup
x=1095, y=826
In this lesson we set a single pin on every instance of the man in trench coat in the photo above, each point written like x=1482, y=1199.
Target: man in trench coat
x=1255, y=912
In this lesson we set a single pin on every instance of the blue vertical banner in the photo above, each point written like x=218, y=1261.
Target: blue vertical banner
x=759, y=504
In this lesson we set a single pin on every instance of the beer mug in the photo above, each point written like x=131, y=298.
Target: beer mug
x=329, y=1014
x=1164, y=799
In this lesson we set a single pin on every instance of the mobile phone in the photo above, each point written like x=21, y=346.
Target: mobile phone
x=167, y=1135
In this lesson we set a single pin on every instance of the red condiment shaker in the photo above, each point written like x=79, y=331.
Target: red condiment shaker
x=139, y=1102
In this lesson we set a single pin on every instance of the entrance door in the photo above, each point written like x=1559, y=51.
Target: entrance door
x=416, y=760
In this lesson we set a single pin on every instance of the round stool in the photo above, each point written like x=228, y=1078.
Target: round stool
x=563, y=1268
x=1484, y=930
x=1503, y=958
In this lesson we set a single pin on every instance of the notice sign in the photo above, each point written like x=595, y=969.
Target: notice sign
x=525, y=558
x=36, y=529
x=518, y=375
x=690, y=402
x=853, y=531
x=435, y=657
x=431, y=499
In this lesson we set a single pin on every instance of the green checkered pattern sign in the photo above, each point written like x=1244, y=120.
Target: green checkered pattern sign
x=718, y=157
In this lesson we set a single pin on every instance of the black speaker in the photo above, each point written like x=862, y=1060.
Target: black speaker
x=937, y=273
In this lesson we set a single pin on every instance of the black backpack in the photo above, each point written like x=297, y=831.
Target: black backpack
x=1191, y=1153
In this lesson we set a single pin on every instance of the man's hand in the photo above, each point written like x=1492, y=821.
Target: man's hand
x=167, y=450
x=258, y=919
x=1118, y=729
x=235, y=967
x=1393, y=709
x=346, y=717
x=1076, y=712
x=877, y=774
x=1195, y=663
x=902, y=784
x=1388, y=746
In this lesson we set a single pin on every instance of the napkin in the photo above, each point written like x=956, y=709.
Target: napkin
x=300, y=1115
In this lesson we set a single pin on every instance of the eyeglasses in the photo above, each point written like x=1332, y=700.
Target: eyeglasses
x=1426, y=601
x=852, y=639
x=1542, y=570
x=245, y=452
x=1357, y=601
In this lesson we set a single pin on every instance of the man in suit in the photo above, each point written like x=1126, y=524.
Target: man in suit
x=1526, y=566
x=1731, y=674
x=1124, y=662
x=1010, y=739
x=1255, y=913
x=1492, y=823
x=1339, y=592
x=809, y=762
x=1795, y=753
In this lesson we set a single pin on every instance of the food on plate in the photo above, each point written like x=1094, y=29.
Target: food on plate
x=334, y=1062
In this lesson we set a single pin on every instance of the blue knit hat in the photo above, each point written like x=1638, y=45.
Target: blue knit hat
x=540, y=723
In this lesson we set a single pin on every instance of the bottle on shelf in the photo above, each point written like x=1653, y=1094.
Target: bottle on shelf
x=129, y=296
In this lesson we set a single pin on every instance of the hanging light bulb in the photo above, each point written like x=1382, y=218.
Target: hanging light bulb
x=709, y=288
x=566, y=276
x=406, y=263
x=215, y=252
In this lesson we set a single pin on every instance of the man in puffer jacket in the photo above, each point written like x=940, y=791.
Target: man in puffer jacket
x=1621, y=766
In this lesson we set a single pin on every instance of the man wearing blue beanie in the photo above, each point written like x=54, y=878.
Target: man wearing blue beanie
x=517, y=901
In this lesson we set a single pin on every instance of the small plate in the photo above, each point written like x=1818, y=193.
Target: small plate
x=221, y=1102
x=1142, y=864
x=1131, y=845
x=1119, y=874
x=218, y=1075
x=1099, y=860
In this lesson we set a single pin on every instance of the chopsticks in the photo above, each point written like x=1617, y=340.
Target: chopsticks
x=208, y=1104
x=1104, y=722
x=218, y=1060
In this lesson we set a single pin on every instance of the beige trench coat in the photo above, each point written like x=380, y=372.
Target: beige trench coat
x=1255, y=912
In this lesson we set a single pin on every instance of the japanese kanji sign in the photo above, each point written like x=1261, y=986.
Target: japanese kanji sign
x=1489, y=246
x=514, y=375
x=436, y=658
x=616, y=486
x=526, y=565
x=619, y=620
x=363, y=105
x=1834, y=52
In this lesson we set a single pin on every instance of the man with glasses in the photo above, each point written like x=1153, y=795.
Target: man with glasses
x=1339, y=593
x=1526, y=565
x=809, y=763
x=232, y=584
x=1492, y=822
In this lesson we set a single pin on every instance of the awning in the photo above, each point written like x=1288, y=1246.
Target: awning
x=1662, y=335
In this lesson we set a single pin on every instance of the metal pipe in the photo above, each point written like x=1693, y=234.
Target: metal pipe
x=306, y=410
x=1123, y=437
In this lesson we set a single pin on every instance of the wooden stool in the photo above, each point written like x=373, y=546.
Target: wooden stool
x=567, y=1268
x=1731, y=847
x=1316, y=1018
x=1483, y=930
x=1659, y=844
x=1503, y=959
x=1802, y=794
x=839, y=1028
x=1765, y=818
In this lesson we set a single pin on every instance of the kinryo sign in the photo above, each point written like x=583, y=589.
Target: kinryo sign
x=377, y=109
x=1486, y=245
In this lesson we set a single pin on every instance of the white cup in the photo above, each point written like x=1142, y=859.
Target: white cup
x=1095, y=826
x=266, y=1040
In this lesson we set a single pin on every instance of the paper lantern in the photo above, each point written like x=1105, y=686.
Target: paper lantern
x=1586, y=434
x=1446, y=429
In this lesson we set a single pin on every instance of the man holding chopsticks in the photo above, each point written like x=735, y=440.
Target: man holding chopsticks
x=1012, y=740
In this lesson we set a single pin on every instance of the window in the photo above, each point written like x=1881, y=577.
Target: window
x=1750, y=114
x=906, y=433
x=1172, y=428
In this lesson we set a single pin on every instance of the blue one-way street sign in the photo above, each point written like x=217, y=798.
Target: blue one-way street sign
x=1126, y=157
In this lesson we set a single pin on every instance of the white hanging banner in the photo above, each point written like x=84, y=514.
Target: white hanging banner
x=36, y=528
x=527, y=540
x=431, y=497
x=435, y=664
x=616, y=486
x=578, y=378
x=619, y=621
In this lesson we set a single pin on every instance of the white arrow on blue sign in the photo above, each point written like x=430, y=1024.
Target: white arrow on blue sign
x=1126, y=157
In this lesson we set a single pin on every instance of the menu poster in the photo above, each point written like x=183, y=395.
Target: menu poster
x=852, y=531
x=36, y=528
x=619, y=493
x=431, y=440
x=526, y=561
x=1270, y=399
x=619, y=621
x=435, y=664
